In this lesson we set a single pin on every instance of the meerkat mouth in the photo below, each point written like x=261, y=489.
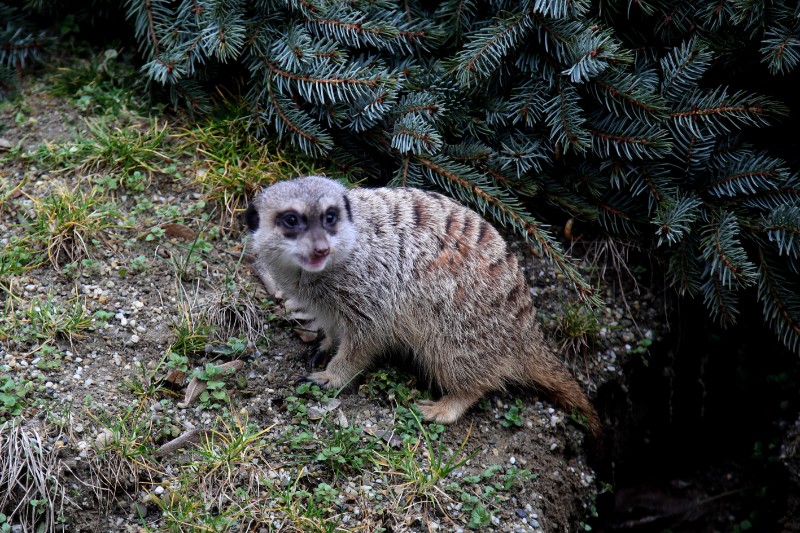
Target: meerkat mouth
x=313, y=264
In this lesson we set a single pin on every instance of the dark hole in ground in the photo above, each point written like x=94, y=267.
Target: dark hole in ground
x=697, y=431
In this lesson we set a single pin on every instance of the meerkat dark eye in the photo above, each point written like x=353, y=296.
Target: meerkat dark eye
x=330, y=218
x=289, y=220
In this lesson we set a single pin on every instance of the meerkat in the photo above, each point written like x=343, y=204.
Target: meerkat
x=410, y=270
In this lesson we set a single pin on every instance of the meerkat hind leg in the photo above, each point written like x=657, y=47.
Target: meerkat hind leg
x=449, y=408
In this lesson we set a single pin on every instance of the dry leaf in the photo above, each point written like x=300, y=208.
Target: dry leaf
x=178, y=230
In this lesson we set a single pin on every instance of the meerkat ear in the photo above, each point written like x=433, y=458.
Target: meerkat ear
x=347, y=208
x=251, y=218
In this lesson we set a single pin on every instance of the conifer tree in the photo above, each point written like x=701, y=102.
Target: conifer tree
x=620, y=113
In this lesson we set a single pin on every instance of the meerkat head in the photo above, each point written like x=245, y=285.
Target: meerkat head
x=305, y=224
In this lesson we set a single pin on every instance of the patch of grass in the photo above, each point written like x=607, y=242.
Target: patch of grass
x=29, y=474
x=190, y=265
x=123, y=458
x=481, y=494
x=48, y=320
x=578, y=327
x=234, y=310
x=305, y=511
x=127, y=149
x=345, y=451
x=229, y=468
x=70, y=220
x=191, y=330
x=122, y=151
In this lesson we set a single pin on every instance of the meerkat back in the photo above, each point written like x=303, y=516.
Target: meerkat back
x=406, y=269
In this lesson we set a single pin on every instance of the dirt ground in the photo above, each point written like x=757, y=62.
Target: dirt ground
x=104, y=400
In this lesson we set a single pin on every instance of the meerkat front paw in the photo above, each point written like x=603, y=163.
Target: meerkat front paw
x=326, y=380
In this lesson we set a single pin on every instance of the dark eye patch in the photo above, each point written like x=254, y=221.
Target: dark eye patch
x=330, y=217
x=289, y=219
x=292, y=222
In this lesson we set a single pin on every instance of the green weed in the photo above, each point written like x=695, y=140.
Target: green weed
x=191, y=331
x=228, y=467
x=215, y=396
x=513, y=415
x=17, y=257
x=481, y=494
x=12, y=397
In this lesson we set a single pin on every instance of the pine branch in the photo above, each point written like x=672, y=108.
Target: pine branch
x=779, y=291
x=413, y=134
x=561, y=8
x=674, y=218
x=780, y=48
x=383, y=30
x=458, y=15
x=526, y=102
x=744, y=173
x=289, y=121
x=719, y=112
x=614, y=213
x=521, y=153
x=721, y=301
x=691, y=149
x=682, y=69
x=627, y=95
x=20, y=43
x=653, y=179
x=716, y=15
x=628, y=139
x=223, y=29
x=565, y=118
x=556, y=35
x=787, y=193
x=726, y=259
x=783, y=228
x=145, y=14
x=331, y=83
x=592, y=52
x=484, y=51
x=684, y=268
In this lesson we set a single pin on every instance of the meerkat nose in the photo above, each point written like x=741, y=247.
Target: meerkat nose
x=321, y=252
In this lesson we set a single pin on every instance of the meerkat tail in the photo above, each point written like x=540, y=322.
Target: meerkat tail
x=551, y=376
